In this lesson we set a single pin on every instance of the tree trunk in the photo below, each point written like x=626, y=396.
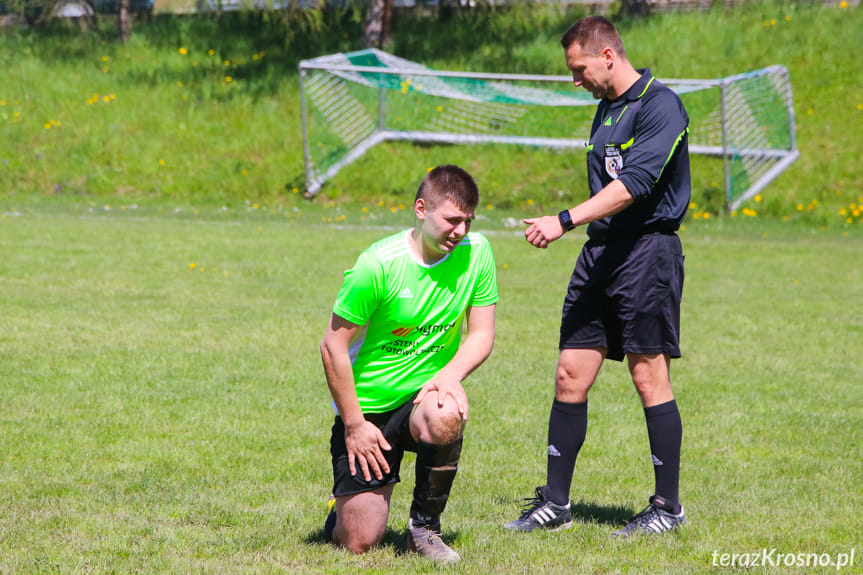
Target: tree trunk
x=124, y=21
x=378, y=23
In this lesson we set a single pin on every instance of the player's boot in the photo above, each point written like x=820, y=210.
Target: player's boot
x=655, y=518
x=426, y=540
x=540, y=513
x=330, y=522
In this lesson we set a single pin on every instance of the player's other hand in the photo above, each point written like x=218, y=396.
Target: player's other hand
x=366, y=445
x=445, y=385
x=542, y=231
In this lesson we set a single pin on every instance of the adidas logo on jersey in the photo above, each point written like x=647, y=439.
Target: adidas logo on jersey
x=406, y=293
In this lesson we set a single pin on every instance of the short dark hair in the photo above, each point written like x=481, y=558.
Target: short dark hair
x=449, y=182
x=593, y=34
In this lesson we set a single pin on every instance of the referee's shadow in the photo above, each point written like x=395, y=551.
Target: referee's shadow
x=603, y=514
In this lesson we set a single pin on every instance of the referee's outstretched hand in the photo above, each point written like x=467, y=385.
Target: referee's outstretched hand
x=542, y=231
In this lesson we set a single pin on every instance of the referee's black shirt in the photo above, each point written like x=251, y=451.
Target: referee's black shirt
x=642, y=139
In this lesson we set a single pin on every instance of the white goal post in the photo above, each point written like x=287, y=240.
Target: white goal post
x=353, y=101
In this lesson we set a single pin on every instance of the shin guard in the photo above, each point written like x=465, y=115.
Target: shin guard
x=436, y=467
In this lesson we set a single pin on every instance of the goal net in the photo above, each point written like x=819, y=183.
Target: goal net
x=353, y=101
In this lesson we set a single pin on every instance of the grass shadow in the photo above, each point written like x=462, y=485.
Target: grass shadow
x=395, y=540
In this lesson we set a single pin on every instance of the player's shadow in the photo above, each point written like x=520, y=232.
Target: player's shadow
x=605, y=514
x=395, y=540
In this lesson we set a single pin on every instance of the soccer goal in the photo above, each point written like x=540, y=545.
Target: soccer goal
x=353, y=101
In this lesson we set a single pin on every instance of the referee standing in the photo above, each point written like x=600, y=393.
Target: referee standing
x=624, y=296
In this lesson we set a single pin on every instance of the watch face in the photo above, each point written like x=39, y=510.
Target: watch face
x=565, y=220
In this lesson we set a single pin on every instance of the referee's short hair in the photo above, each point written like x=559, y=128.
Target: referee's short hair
x=449, y=182
x=593, y=34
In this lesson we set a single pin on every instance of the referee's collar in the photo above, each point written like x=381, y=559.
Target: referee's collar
x=638, y=89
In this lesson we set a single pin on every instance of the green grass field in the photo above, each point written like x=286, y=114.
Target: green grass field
x=164, y=408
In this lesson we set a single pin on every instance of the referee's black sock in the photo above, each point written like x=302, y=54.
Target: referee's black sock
x=567, y=427
x=665, y=431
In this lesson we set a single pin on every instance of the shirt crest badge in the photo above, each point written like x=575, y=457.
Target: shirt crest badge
x=613, y=161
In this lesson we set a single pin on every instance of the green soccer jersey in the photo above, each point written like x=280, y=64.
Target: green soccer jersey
x=411, y=314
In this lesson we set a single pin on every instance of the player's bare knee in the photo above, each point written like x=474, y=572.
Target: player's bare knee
x=358, y=540
x=446, y=428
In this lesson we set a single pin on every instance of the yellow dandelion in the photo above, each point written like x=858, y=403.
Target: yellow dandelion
x=843, y=211
x=809, y=112
x=749, y=212
x=183, y=51
x=260, y=229
x=530, y=201
x=161, y=162
x=489, y=207
x=849, y=220
x=48, y=126
x=706, y=215
x=245, y=172
x=506, y=266
x=380, y=203
x=227, y=62
x=440, y=108
x=192, y=265
x=228, y=79
x=788, y=18
x=296, y=190
x=401, y=206
x=800, y=207
x=773, y=22
x=255, y=206
x=843, y=4
x=691, y=205
x=860, y=106
x=106, y=98
x=105, y=69
x=211, y=52
x=797, y=282
x=2, y=102
x=179, y=84
x=365, y=210
x=757, y=198
x=105, y=58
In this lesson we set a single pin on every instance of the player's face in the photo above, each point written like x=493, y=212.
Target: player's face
x=444, y=225
x=593, y=73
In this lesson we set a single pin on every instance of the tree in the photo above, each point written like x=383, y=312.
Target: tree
x=378, y=23
x=124, y=21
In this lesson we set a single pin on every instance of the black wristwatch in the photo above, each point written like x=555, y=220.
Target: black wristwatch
x=566, y=220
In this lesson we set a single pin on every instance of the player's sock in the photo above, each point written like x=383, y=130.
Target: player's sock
x=665, y=431
x=567, y=427
x=436, y=467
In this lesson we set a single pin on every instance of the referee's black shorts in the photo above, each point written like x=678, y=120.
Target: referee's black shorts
x=624, y=295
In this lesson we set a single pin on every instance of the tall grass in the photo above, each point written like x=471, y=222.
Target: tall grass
x=206, y=110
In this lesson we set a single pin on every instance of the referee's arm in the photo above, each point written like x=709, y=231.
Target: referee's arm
x=610, y=200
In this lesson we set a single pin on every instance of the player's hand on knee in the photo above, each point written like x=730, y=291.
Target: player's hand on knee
x=446, y=386
x=366, y=445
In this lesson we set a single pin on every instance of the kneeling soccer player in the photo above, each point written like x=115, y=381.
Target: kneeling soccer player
x=394, y=359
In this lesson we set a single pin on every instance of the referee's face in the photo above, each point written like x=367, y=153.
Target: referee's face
x=593, y=73
x=444, y=225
